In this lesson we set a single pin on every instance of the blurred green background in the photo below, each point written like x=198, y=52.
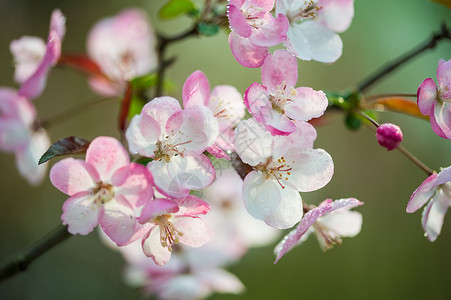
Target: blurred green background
x=389, y=259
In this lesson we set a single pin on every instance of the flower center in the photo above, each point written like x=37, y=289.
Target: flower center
x=103, y=193
x=168, y=233
x=283, y=95
x=326, y=236
x=278, y=169
x=220, y=108
x=167, y=148
x=251, y=15
x=308, y=11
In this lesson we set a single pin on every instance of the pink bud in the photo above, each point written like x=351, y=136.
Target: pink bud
x=389, y=135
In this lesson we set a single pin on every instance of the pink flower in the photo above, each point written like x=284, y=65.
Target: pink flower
x=435, y=100
x=254, y=29
x=173, y=221
x=276, y=103
x=20, y=135
x=283, y=167
x=175, y=139
x=437, y=190
x=224, y=101
x=329, y=221
x=104, y=189
x=389, y=136
x=34, y=59
x=314, y=24
x=123, y=46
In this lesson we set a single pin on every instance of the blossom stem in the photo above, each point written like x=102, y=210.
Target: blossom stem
x=400, y=148
x=393, y=65
x=20, y=261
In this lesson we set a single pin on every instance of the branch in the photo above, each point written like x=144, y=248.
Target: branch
x=393, y=65
x=25, y=257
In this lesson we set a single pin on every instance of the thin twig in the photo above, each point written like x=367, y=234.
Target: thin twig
x=24, y=258
x=391, y=66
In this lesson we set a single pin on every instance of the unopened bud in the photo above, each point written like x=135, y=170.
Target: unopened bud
x=389, y=135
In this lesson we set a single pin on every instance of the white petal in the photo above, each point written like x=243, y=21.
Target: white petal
x=252, y=142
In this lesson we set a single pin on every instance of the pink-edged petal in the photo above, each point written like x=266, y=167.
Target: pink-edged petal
x=164, y=182
x=118, y=221
x=311, y=169
x=191, y=206
x=28, y=52
x=58, y=23
x=312, y=40
x=152, y=247
x=426, y=96
x=238, y=22
x=227, y=105
x=444, y=176
x=80, y=213
x=272, y=32
x=344, y=222
x=157, y=207
x=71, y=176
x=138, y=186
x=35, y=84
x=196, y=90
x=302, y=137
x=261, y=5
x=245, y=52
x=256, y=97
x=422, y=194
x=261, y=197
x=288, y=212
x=434, y=214
x=217, y=152
x=275, y=122
x=444, y=78
x=307, y=104
x=336, y=14
x=14, y=135
x=279, y=67
x=195, y=230
x=190, y=172
x=252, y=142
x=27, y=158
x=142, y=135
x=442, y=118
x=106, y=155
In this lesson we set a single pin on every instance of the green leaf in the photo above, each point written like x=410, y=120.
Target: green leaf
x=135, y=107
x=353, y=122
x=175, y=8
x=207, y=29
x=145, y=81
x=66, y=146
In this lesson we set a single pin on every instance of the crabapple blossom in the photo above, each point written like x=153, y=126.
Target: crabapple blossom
x=314, y=24
x=283, y=167
x=437, y=190
x=34, y=59
x=123, y=47
x=276, y=103
x=104, y=189
x=330, y=221
x=172, y=222
x=435, y=100
x=175, y=139
x=224, y=101
x=20, y=134
x=389, y=135
x=254, y=29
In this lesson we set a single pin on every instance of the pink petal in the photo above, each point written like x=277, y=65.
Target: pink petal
x=422, y=194
x=196, y=90
x=278, y=68
x=142, y=134
x=311, y=169
x=14, y=135
x=272, y=32
x=252, y=142
x=256, y=97
x=81, y=214
x=191, y=206
x=245, y=52
x=275, y=122
x=444, y=78
x=106, y=155
x=157, y=207
x=302, y=137
x=307, y=104
x=152, y=247
x=312, y=40
x=426, y=96
x=336, y=14
x=138, y=187
x=227, y=105
x=434, y=214
x=238, y=22
x=217, y=152
x=196, y=231
x=72, y=176
x=263, y=5
x=58, y=23
x=261, y=197
x=28, y=52
x=444, y=176
x=442, y=118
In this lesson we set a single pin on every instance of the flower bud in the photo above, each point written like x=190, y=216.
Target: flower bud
x=389, y=135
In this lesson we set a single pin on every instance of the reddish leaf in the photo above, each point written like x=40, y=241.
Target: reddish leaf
x=83, y=63
x=66, y=146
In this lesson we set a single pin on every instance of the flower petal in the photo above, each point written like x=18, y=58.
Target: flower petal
x=426, y=96
x=152, y=247
x=196, y=231
x=72, y=176
x=80, y=213
x=279, y=67
x=288, y=212
x=307, y=104
x=238, y=22
x=252, y=142
x=434, y=214
x=245, y=52
x=422, y=194
x=138, y=186
x=196, y=90
x=336, y=14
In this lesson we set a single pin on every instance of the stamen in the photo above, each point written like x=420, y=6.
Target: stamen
x=168, y=233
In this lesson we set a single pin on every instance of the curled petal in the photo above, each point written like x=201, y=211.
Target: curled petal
x=426, y=95
x=196, y=89
x=444, y=78
x=238, y=22
x=157, y=207
x=192, y=206
x=422, y=194
x=434, y=214
x=245, y=52
x=255, y=98
x=441, y=120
